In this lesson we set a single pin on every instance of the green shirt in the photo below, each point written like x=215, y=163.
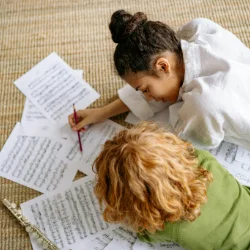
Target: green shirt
x=224, y=223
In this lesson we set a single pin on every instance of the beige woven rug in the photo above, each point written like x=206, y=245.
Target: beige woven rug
x=78, y=31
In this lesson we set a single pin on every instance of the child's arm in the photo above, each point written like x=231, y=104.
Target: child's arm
x=138, y=104
x=201, y=120
x=94, y=115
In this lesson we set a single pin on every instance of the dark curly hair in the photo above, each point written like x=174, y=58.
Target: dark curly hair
x=139, y=40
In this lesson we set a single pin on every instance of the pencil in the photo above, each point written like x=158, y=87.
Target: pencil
x=78, y=132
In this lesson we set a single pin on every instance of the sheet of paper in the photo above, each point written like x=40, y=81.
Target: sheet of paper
x=226, y=155
x=32, y=114
x=99, y=243
x=158, y=246
x=53, y=87
x=243, y=155
x=162, y=118
x=92, y=140
x=240, y=171
x=125, y=237
x=42, y=129
x=68, y=217
x=114, y=245
x=36, y=162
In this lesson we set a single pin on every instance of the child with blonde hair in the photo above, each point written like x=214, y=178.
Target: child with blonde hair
x=166, y=190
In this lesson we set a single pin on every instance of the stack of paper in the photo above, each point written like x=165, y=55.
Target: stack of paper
x=36, y=153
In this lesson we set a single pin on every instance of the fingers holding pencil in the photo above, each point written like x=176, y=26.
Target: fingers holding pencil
x=75, y=125
x=85, y=118
x=78, y=132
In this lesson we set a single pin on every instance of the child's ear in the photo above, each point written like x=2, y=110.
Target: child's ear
x=162, y=65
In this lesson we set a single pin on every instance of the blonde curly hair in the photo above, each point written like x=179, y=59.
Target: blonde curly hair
x=146, y=176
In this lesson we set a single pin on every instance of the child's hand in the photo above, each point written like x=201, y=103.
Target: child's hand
x=86, y=117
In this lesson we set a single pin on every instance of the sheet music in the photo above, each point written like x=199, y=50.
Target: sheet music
x=158, y=246
x=243, y=155
x=36, y=162
x=241, y=172
x=162, y=118
x=52, y=87
x=92, y=140
x=99, y=243
x=32, y=114
x=125, y=237
x=114, y=245
x=69, y=217
x=42, y=129
x=226, y=154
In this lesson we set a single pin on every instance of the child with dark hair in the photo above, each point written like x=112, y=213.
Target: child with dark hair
x=202, y=73
x=159, y=185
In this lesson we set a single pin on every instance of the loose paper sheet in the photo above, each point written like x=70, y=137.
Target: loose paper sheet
x=36, y=162
x=243, y=155
x=32, y=114
x=53, y=87
x=158, y=246
x=92, y=140
x=99, y=243
x=226, y=154
x=69, y=217
x=125, y=238
x=115, y=245
x=42, y=129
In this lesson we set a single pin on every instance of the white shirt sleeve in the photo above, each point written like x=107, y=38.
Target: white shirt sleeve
x=137, y=103
x=199, y=121
x=216, y=97
x=195, y=27
x=211, y=35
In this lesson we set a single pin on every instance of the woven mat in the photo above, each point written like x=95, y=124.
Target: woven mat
x=78, y=31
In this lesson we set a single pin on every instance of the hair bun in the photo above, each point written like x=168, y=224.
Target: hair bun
x=123, y=24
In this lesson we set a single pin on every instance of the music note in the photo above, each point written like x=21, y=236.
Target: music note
x=36, y=162
x=69, y=217
x=52, y=86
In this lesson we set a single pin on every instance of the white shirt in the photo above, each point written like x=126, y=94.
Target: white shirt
x=214, y=100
